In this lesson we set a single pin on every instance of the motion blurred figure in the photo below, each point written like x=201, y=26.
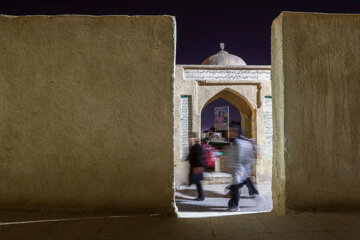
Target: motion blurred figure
x=196, y=165
x=240, y=155
x=248, y=165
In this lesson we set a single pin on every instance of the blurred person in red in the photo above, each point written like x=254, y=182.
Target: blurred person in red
x=196, y=165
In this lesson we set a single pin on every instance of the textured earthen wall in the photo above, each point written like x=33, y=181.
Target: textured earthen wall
x=316, y=89
x=86, y=112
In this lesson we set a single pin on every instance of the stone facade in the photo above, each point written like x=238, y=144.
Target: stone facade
x=243, y=86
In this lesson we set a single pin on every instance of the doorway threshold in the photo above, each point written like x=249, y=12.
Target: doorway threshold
x=216, y=200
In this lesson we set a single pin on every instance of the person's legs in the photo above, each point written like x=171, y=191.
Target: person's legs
x=252, y=190
x=200, y=191
x=233, y=203
x=236, y=195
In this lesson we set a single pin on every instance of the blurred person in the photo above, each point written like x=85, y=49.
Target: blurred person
x=208, y=155
x=240, y=155
x=235, y=168
x=196, y=165
x=248, y=165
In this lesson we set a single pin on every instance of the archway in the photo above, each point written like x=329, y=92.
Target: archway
x=208, y=116
x=247, y=112
x=216, y=181
x=236, y=104
x=213, y=134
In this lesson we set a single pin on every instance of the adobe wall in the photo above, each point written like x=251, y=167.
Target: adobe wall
x=316, y=89
x=86, y=113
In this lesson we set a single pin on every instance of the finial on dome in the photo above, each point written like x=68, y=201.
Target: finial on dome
x=222, y=57
x=222, y=46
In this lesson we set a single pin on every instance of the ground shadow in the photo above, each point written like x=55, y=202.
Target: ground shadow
x=193, y=193
x=203, y=208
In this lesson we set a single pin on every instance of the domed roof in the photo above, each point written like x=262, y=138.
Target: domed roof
x=222, y=57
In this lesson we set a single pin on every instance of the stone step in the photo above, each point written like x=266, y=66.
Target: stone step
x=216, y=178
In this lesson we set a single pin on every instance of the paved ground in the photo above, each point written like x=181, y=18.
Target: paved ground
x=216, y=201
x=304, y=226
x=200, y=220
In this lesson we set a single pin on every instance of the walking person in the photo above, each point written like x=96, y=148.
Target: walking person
x=248, y=165
x=196, y=165
x=239, y=156
x=235, y=168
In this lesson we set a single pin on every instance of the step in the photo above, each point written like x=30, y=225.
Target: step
x=216, y=178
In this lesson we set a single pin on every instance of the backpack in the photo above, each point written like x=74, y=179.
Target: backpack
x=209, y=156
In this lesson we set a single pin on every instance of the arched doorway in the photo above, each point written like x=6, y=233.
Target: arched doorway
x=216, y=134
x=215, y=182
x=239, y=112
x=209, y=114
x=195, y=89
x=247, y=113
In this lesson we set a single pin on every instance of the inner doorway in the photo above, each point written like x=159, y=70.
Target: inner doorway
x=216, y=119
x=241, y=114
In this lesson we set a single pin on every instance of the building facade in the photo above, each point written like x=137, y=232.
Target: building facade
x=226, y=76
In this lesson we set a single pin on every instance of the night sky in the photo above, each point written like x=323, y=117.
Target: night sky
x=244, y=26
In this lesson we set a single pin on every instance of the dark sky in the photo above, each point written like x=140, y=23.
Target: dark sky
x=244, y=26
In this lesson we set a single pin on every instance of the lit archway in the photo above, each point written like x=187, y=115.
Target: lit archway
x=247, y=112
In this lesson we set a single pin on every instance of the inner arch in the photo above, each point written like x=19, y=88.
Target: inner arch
x=208, y=115
x=236, y=99
x=248, y=119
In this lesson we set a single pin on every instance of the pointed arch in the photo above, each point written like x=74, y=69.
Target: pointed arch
x=243, y=105
x=236, y=99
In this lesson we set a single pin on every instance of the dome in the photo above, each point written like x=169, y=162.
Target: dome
x=222, y=57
